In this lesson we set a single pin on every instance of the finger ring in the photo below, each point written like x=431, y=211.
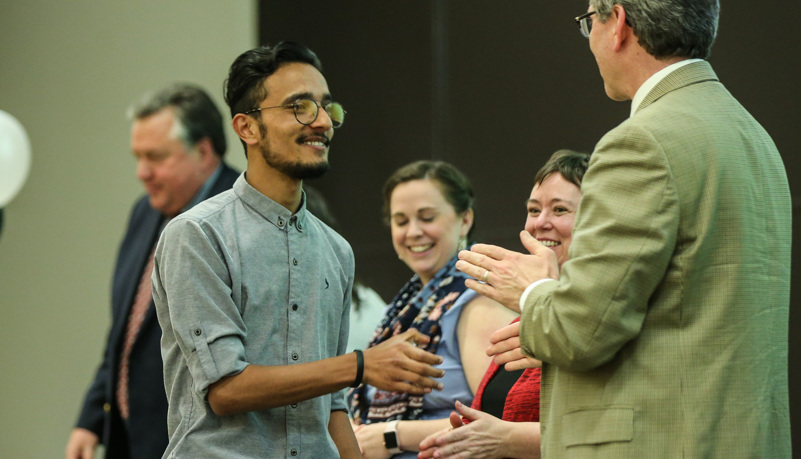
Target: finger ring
x=486, y=275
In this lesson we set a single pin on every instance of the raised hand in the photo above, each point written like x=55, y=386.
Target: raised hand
x=505, y=274
x=505, y=349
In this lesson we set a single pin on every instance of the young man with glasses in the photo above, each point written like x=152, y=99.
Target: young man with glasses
x=253, y=292
x=666, y=334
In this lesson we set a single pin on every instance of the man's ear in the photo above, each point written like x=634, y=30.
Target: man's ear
x=623, y=31
x=246, y=128
x=208, y=157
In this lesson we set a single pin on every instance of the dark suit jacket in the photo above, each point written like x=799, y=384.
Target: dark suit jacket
x=147, y=423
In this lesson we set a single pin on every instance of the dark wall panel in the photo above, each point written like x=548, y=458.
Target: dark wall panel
x=377, y=60
x=516, y=98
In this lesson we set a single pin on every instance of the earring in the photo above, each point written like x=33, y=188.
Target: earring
x=462, y=244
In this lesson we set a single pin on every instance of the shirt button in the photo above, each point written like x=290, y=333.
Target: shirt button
x=294, y=405
x=294, y=307
x=300, y=225
x=197, y=332
x=295, y=261
x=280, y=223
x=294, y=356
x=294, y=452
x=107, y=407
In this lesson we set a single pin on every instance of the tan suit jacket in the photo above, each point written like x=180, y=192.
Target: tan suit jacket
x=666, y=335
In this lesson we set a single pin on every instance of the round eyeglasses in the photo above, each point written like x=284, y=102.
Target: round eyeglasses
x=306, y=111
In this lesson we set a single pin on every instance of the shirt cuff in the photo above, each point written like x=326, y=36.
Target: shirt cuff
x=529, y=289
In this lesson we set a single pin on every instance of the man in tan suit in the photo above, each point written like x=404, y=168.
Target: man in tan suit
x=666, y=333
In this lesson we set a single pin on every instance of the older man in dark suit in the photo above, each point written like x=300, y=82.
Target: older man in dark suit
x=178, y=142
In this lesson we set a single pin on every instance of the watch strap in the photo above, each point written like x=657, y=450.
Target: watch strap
x=391, y=439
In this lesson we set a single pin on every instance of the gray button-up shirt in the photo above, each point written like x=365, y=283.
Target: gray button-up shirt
x=239, y=280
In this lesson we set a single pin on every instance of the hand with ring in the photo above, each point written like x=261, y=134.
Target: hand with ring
x=512, y=272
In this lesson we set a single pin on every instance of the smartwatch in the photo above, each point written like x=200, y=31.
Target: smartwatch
x=391, y=441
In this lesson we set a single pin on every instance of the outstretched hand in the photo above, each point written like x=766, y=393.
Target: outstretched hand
x=505, y=274
x=399, y=365
x=483, y=437
x=505, y=349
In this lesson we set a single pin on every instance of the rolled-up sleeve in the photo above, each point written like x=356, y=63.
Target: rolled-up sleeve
x=192, y=291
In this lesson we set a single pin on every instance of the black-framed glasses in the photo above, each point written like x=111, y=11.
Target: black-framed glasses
x=306, y=111
x=585, y=23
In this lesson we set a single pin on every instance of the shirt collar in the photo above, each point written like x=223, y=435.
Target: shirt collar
x=651, y=82
x=270, y=210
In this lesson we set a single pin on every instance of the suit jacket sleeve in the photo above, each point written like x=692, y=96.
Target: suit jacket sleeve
x=92, y=413
x=623, y=239
x=138, y=232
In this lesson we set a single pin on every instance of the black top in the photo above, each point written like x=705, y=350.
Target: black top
x=496, y=390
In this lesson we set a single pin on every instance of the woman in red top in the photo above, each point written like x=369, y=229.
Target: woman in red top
x=504, y=418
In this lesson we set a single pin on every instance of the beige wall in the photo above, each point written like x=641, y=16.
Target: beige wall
x=68, y=70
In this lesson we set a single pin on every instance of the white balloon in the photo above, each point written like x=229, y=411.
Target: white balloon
x=15, y=157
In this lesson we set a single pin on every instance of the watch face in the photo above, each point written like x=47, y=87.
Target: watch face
x=390, y=440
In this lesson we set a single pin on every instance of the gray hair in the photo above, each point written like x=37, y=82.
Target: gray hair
x=196, y=115
x=669, y=28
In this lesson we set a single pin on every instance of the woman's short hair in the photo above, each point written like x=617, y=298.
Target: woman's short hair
x=570, y=164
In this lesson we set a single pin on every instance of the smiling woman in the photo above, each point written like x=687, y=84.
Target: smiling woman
x=429, y=208
x=551, y=208
x=507, y=403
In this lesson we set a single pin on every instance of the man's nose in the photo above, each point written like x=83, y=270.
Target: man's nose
x=143, y=170
x=323, y=120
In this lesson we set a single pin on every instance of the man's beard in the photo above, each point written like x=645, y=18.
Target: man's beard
x=296, y=170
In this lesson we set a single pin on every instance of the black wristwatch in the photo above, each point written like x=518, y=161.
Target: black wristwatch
x=391, y=441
